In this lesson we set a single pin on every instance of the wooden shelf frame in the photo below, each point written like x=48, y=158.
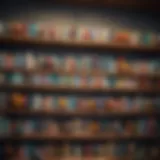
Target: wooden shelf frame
x=70, y=89
x=79, y=113
x=70, y=137
x=78, y=44
x=62, y=72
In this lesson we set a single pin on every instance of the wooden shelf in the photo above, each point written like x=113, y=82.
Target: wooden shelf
x=62, y=72
x=150, y=5
x=77, y=44
x=79, y=113
x=70, y=89
x=84, y=137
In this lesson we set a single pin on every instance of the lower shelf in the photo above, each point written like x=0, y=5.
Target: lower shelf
x=79, y=113
x=85, y=158
x=78, y=137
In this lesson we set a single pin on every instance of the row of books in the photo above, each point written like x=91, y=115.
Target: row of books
x=81, y=62
x=48, y=31
x=79, y=126
x=86, y=151
x=53, y=102
x=77, y=81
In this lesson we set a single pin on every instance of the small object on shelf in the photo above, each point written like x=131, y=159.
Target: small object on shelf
x=135, y=38
x=129, y=128
x=144, y=83
x=122, y=65
x=117, y=127
x=141, y=127
x=51, y=127
x=18, y=29
x=122, y=37
x=82, y=104
x=28, y=127
x=56, y=62
x=119, y=83
x=19, y=60
x=143, y=67
x=47, y=103
x=70, y=64
x=98, y=82
x=123, y=104
x=69, y=32
x=62, y=80
x=84, y=34
x=83, y=82
x=95, y=63
x=71, y=103
x=18, y=100
x=45, y=79
x=109, y=64
x=148, y=105
x=50, y=80
x=2, y=59
x=66, y=150
x=2, y=78
x=40, y=61
x=43, y=31
x=30, y=61
x=151, y=127
x=72, y=81
x=48, y=63
x=109, y=147
x=91, y=104
x=9, y=61
x=99, y=104
x=36, y=79
x=77, y=125
x=110, y=104
x=85, y=64
x=52, y=33
x=77, y=151
x=1, y=28
x=37, y=102
x=105, y=35
x=137, y=104
x=130, y=84
x=4, y=126
x=72, y=32
x=149, y=39
x=152, y=67
x=17, y=78
x=32, y=30
x=62, y=103
x=3, y=100
x=94, y=127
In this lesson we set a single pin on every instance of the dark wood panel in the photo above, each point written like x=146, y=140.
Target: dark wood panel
x=132, y=4
x=79, y=44
x=79, y=113
x=83, y=137
x=70, y=89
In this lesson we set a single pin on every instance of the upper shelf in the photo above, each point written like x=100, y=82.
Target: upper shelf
x=78, y=44
x=127, y=4
x=70, y=89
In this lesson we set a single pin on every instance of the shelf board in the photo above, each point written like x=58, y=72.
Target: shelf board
x=78, y=44
x=70, y=89
x=150, y=5
x=84, y=137
x=62, y=72
x=79, y=113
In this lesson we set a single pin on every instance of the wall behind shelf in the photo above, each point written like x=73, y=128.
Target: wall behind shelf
x=30, y=11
